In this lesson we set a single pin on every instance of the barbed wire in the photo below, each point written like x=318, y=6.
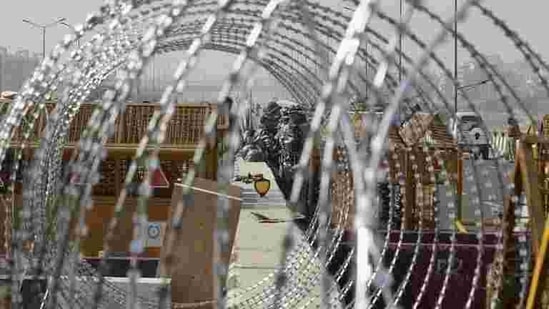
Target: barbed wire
x=129, y=34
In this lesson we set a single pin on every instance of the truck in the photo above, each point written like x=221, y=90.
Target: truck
x=471, y=135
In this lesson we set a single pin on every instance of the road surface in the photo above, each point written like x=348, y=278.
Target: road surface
x=487, y=177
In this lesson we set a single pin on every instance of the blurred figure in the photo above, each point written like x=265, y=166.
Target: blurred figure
x=513, y=130
x=226, y=109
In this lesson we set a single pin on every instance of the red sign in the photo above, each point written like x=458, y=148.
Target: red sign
x=159, y=179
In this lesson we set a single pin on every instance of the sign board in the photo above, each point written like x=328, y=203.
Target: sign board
x=154, y=234
x=158, y=178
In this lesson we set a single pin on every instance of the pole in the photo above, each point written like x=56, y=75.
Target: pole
x=1, y=71
x=460, y=160
x=400, y=108
x=153, y=80
x=74, y=30
x=539, y=277
x=43, y=43
x=455, y=57
x=366, y=70
x=43, y=28
x=400, y=45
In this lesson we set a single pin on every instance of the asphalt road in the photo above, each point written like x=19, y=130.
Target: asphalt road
x=484, y=185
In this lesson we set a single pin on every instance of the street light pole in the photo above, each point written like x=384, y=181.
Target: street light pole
x=400, y=44
x=455, y=57
x=72, y=28
x=482, y=82
x=459, y=187
x=43, y=42
x=464, y=87
x=400, y=111
x=43, y=28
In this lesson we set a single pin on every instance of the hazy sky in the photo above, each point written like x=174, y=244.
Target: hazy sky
x=528, y=17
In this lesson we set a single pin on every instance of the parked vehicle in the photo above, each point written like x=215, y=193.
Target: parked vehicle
x=471, y=137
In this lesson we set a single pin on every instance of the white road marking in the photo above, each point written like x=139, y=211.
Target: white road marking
x=493, y=204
